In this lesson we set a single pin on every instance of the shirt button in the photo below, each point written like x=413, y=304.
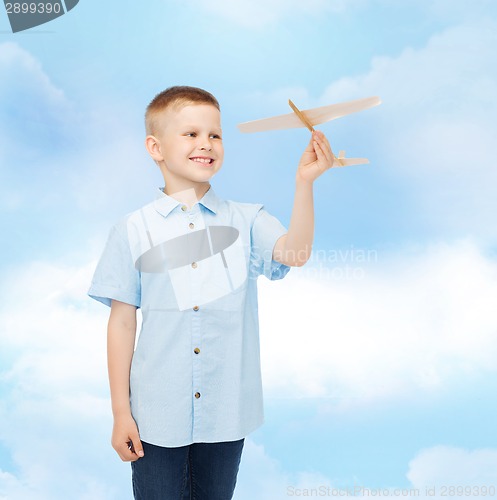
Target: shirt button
x=195, y=308
x=194, y=265
x=191, y=225
x=183, y=207
x=197, y=395
x=196, y=350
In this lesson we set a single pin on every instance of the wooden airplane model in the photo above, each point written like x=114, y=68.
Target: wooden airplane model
x=310, y=117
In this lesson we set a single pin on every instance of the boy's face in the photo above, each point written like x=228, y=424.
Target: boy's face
x=190, y=143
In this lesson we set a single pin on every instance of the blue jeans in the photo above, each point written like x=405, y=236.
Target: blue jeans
x=199, y=471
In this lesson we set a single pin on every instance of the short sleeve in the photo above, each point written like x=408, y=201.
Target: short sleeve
x=115, y=276
x=266, y=230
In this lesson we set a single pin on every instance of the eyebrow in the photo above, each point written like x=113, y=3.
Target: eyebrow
x=215, y=129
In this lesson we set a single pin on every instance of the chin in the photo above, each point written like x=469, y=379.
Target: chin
x=204, y=178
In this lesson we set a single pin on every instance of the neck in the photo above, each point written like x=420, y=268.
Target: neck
x=188, y=195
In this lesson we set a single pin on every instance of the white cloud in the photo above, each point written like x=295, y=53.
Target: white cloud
x=264, y=478
x=63, y=147
x=442, y=467
x=36, y=121
x=54, y=409
x=451, y=77
x=432, y=473
x=412, y=323
x=21, y=72
x=416, y=320
x=433, y=135
x=435, y=129
x=32, y=108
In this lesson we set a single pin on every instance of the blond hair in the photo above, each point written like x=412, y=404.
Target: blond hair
x=177, y=96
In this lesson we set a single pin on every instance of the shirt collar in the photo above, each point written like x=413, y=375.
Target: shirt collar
x=165, y=204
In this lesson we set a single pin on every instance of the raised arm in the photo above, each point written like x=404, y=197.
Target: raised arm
x=294, y=248
x=121, y=334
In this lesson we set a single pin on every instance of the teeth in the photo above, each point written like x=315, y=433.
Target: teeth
x=202, y=160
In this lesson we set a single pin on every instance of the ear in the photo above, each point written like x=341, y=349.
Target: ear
x=153, y=147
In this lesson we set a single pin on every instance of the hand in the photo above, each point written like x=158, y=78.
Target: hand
x=317, y=158
x=126, y=440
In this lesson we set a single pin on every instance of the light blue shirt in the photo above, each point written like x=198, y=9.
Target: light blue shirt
x=195, y=374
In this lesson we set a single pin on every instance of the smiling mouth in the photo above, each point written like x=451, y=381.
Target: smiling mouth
x=202, y=160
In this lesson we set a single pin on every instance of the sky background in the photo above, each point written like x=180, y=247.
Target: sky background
x=378, y=356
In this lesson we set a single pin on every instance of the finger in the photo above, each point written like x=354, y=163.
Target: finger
x=324, y=142
x=321, y=157
x=325, y=139
x=325, y=147
x=125, y=453
x=325, y=160
x=136, y=444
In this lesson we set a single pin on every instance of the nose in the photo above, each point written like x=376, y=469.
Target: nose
x=205, y=144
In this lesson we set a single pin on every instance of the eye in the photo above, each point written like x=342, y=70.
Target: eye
x=215, y=136
x=191, y=134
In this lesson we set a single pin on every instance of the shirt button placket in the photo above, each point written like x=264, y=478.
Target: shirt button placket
x=197, y=317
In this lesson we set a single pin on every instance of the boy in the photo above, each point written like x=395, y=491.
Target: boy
x=185, y=399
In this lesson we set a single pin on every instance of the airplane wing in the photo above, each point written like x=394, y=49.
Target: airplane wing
x=315, y=116
x=341, y=161
x=291, y=120
x=345, y=162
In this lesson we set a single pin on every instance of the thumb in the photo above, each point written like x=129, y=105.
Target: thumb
x=137, y=444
